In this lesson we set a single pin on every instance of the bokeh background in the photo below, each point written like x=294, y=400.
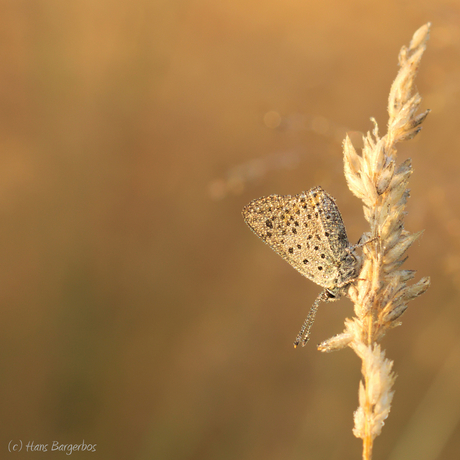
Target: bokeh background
x=138, y=312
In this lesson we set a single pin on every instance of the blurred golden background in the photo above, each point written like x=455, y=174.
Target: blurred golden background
x=138, y=312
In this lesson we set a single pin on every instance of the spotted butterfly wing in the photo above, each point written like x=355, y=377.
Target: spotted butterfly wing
x=306, y=230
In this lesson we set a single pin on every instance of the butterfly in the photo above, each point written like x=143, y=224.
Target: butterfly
x=307, y=231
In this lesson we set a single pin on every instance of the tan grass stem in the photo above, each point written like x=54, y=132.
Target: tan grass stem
x=381, y=293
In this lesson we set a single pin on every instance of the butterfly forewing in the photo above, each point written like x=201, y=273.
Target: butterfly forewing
x=303, y=230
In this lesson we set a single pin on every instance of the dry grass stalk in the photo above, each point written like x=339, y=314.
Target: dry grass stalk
x=381, y=293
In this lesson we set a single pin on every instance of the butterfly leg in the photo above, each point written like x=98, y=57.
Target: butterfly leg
x=359, y=244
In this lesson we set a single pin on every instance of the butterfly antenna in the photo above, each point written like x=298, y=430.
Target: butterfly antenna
x=304, y=334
